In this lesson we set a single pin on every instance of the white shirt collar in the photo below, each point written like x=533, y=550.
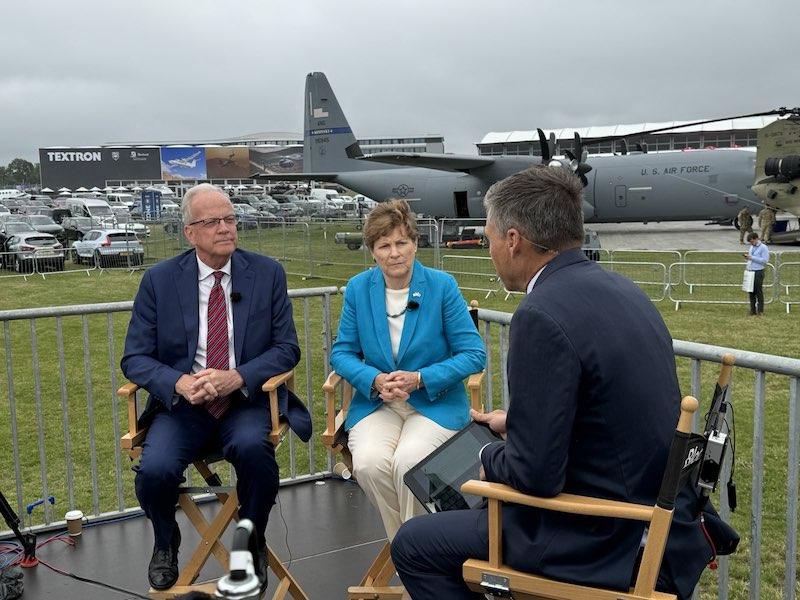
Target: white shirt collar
x=532, y=282
x=203, y=270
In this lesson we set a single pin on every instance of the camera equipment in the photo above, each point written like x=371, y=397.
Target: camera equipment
x=242, y=582
x=718, y=433
x=27, y=540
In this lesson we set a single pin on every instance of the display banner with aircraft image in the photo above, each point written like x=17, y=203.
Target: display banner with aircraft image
x=275, y=160
x=183, y=163
x=228, y=162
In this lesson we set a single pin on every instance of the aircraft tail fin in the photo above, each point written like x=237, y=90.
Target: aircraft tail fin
x=328, y=142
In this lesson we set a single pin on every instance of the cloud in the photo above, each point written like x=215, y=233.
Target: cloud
x=88, y=72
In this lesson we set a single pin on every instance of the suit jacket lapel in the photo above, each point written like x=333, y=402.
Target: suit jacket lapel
x=377, y=301
x=416, y=293
x=242, y=281
x=188, y=297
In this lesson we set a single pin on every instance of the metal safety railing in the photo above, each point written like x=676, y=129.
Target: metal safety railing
x=64, y=421
x=714, y=283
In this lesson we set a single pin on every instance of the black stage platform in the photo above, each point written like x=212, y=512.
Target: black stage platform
x=333, y=532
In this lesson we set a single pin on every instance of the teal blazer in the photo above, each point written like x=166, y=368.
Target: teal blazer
x=439, y=339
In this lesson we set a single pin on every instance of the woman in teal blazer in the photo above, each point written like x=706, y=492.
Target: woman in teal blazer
x=405, y=343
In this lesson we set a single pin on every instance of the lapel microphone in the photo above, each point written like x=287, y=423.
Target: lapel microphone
x=412, y=305
x=235, y=296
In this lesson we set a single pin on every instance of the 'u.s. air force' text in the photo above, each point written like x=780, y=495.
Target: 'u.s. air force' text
x=685, y=170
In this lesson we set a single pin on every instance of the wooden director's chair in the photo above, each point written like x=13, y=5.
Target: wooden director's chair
x=210, y=533
x=375, y=582
x=496, y=579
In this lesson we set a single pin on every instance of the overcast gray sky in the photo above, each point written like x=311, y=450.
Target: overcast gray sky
x=86, y=72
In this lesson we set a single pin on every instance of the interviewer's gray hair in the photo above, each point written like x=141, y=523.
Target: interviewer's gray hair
x=543, y=203
x=186, y=203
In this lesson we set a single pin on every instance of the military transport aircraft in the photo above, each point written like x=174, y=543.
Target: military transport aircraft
x=711, y=184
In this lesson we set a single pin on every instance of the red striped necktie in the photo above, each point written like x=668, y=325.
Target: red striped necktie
x=217, y=341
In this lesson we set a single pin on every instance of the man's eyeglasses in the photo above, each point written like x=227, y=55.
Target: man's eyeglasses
x=230, y=221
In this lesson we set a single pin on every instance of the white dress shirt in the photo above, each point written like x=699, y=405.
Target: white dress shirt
x=205, y=277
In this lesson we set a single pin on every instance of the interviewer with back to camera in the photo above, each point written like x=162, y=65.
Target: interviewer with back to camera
x=405, y=342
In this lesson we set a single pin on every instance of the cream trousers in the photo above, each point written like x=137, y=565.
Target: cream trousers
x=385, y=444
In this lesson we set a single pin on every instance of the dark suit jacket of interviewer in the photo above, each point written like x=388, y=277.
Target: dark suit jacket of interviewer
x=594, y=405
x=162, y=335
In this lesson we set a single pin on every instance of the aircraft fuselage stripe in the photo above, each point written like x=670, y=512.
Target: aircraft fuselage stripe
x=330, y=131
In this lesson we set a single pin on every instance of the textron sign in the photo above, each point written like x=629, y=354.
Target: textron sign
x=74, y=156
x=89, y=167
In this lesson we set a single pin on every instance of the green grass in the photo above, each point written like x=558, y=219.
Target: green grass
x=311, y=259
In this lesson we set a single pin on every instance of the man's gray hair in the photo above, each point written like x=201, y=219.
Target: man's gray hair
x=545, y=204
x=186, y=203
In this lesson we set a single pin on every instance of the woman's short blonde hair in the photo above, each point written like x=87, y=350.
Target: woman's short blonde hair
x=388, y=216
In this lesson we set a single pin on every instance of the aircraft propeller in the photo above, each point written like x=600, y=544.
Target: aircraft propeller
x=577, y=161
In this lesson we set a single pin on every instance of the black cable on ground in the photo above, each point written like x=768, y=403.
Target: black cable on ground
x=93, y=581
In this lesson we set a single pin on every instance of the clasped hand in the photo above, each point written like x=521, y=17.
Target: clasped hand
x=208, y=384
x=396, y=386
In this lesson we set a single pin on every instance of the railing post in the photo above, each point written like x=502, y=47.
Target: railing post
x=758, y=486
x=791, y=491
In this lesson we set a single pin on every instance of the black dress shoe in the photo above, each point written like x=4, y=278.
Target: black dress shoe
x=163, y=569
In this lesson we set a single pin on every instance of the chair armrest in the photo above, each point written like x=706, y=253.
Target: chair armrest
x=334, y=421
x=567, y=503
x=135, y=436
x=271, y=386
x=474, y=384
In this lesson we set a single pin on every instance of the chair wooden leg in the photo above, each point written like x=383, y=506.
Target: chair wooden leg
x=178, y=590
x=286, y=583
x=375, y=583
x=210, y=536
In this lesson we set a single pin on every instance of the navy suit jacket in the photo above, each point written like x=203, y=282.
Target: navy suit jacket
x=162, y=336
x=594, y=405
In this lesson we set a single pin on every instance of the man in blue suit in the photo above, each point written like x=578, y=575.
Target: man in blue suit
x=208, y=328
x=594, y=400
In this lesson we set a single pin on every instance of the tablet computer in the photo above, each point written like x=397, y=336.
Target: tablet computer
x=436, y=480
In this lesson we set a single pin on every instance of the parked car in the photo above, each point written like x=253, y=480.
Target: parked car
x=44, y=224
x=33, y=249
x=7, y=230
x=13, y=204
x=125, y=222
x=246, y=215
x=4, y=210
x=75, y=228
x=108, y=247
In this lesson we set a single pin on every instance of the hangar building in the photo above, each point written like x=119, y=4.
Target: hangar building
x=731, y=133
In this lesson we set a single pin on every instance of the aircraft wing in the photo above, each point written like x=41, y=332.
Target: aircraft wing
x=440, y=162
x=295, y=176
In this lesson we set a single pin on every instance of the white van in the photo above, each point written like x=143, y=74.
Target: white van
x=10, y=194
x=322, y=194
x=122, y=198
x=88, y=207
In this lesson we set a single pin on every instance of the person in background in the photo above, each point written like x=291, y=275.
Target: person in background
x=405, y=343
x=757, y=258
x=745, y=220
x=766, y=221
